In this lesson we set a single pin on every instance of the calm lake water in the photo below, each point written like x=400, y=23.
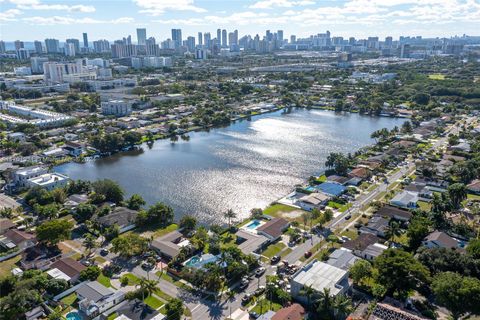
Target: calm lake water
x=246, y=165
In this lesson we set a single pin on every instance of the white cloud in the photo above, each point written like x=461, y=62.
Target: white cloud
x=57, y=20
x=159, y=7
x=269, y=4
x=37, y=5
x=10, y=15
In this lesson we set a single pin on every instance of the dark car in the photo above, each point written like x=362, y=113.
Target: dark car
x=260, y=271
x=147, y=266
x=308, y=254
x=348, y=217
x=246, y=299
x=275, y=259
x=243, y=284
x=254, y=315
x=104, y=252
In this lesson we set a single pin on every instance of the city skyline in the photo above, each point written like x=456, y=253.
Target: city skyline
x=37, y=20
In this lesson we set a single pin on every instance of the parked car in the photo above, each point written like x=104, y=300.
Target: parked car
x=308, y=254
x=104, y=252
x=259, y=291
x=253, y=315
x=246, y=298
x=260, y=271
x=348, y=217
x=147, y=266
x=275, y=259
x=243, y=284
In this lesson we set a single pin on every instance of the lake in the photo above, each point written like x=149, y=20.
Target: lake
x=246, y=165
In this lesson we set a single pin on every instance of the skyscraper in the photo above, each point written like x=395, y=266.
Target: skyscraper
x=200, y=39
x=85, y=40
x=38, y=46
x=177, y=37
x=219, y=36
x=191, y=44
x=141, y=36
x=224, y=38
x=280, y=35
x=2, y=46
x=52, y=45
x=206, y=39
x=75, y=43
x=18, y=45
x=388, y=41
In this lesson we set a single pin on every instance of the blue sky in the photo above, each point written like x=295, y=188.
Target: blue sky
x=112, y=19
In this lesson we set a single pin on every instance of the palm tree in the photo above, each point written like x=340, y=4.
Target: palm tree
x=343, y=306
x=325, y=304
x=89, y=243
x=393, y=230
x=230, y=214
x=148, y=286
x=309, y=292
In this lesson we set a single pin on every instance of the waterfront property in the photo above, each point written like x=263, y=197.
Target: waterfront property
x=169, y=245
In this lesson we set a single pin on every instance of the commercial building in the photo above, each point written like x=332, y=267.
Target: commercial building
x=141, y=36
x=319, y=276
x=117, y=108
x=41, y=118
x=52, y=46
x=37, y=64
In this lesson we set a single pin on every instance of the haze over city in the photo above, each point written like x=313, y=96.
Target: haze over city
x=31, y=19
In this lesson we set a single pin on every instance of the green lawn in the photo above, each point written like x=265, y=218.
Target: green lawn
x=425, y=206
x=340, y=207
x=112, y=316
x=162, y=295
x=321, y=179
x=132, y=279
x=104, y=280
x=70, y=299
x=276, y=209
x=273, y=249
x=436, y=76
x=264, y=305
x=100, y=259
x=473, y=196
x=7, y=266
x=165, y=276
x=153, y=302
x=164, y=231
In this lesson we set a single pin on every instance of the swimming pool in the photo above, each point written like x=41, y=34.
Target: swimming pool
x=73, y=316
x=253, y=225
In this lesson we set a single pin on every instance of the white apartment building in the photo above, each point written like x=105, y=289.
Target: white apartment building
x=20, y=177
x=48, y=181
x=42, y=118
x=117, y=108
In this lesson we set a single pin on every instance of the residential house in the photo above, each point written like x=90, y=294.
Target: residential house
x=292, y=312
x=338, y=179
x=136, y=310
x=20, y=177
x=315, y=200
x=75, y=200
x=394, y=213
x=390, y=309
x=439, y=239
x=332, y=189
x=67, y=269
x=48, y=181
x=249, y=242
x=94, y=298
x=377, y=225
x=463, y=146
x=405, y=199
x=35, y=313
x=39, y=257
x=360, y=172
x=342, y=258
x=372, y=251
x=421, y=188
x=74, y=149
x=319, y=276
x=14, y=239
x=361, y=243
x=123, y=217
x=474, y=186
x=169, y=245
x=5, y=225
x=274, y=228
x=17, y=136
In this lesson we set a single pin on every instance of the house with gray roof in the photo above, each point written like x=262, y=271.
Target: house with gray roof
x=94, y=298
x=342, y=258
x=440, y=239
x=249, y=242
x=169, y=245
x=405, y=199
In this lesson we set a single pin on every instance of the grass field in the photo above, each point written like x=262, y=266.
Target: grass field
x=264, y=305
x=164, y=231
x=276, y=210
x=7, y=266
x=104, y=280
x=70, y=299
x=273, y=249
x=132, y=279
x=425, y=206
x=436, y=76
x=153, y=302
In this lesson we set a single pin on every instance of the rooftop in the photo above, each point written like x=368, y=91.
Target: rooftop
x=320, y=275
